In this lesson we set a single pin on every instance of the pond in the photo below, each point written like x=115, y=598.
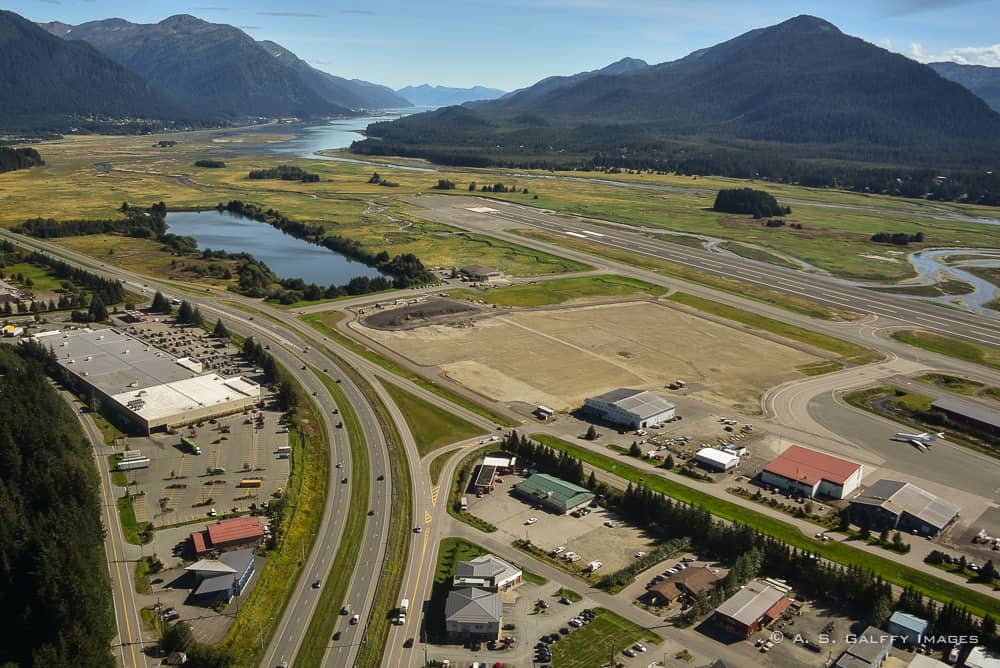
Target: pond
x=287, y=256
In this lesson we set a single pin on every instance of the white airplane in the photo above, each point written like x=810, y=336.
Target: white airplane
x=924, y=438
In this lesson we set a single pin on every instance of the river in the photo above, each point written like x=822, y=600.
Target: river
x=287, y=256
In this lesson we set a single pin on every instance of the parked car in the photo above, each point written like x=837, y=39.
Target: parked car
x=639, y=647
x=531, y=520
x=628, y=651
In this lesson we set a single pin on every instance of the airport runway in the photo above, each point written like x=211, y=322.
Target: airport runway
x=495, y=217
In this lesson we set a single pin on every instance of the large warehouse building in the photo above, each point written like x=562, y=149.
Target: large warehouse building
x=147, y=386
x=892, y=504
x=810, y=473
x=635, y=409
x=751, y=608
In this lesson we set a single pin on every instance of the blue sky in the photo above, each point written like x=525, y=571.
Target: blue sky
x=513, y=43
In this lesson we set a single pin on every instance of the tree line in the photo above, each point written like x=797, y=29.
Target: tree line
x=56, y=591
x=750, y=552
x=759, y=203
x=285, y=173
x=18, y=158
x=897, y=238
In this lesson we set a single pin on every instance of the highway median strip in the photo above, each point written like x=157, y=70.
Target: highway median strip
x=334, y=591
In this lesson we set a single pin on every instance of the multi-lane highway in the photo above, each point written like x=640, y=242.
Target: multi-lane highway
x=498, y=218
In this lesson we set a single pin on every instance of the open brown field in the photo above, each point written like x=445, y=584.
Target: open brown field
x=558, y=357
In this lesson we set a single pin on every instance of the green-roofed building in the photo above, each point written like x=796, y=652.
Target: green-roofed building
x=553, y=494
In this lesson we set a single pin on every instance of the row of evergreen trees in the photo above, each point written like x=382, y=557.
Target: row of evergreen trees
x=18, y=158
x=749, y=552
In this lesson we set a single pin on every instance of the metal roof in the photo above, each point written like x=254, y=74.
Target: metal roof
x=236, y=529
x=472, y=605
x=715, y=456
x=544, y=486
x=485, y=567
x=911, y=623
x=750, y=603
x=640, y=402
x=866, y=649
x=969, y=410
x=810, y=466
x=898, y=497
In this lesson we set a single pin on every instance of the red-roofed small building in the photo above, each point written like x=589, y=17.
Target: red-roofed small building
x=233, y=534
x=806, y=472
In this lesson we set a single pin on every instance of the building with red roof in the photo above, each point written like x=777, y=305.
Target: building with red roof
x=232, y=534
x=809, y=473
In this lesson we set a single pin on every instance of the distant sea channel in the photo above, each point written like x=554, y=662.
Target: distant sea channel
x=287, y=256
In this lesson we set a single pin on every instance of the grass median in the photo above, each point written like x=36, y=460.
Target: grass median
x=432, y=427
x=945, y=345
x=326, y=322
x=850, y=353
x=331, y=598
x=977, y=602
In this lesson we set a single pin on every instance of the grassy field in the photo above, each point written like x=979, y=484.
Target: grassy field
x=41, y=277
x=969, y=388
x=305, y=496
x=142, y=585
x=790, y=302
x=569, y=595
x=561, y=290
x=432, y=427
x=836, y=226
x=334, y=591
x=848, y=352
x=600, y=641
x=977, y=602
x=963, y=350
x=326, y=322
x=438, y=464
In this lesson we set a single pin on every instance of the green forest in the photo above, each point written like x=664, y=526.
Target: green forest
x=18, y=158
x=54, y=583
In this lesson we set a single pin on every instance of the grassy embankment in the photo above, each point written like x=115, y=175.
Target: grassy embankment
x=846, y=352
x=326, y=322
x=438, y=464
x=966, y=386
x=943, y=345
x=561, y=290
x=334, y=593
x=432, y=427
x=977, y=602
x=126, y=515
x=599, y=641
x=789, y=302
x=302, y=506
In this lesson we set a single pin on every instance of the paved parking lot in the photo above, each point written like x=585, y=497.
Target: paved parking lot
x=587, y=536
x=179, y=486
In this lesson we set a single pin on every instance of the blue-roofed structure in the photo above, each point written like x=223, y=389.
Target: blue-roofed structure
x=909, y=628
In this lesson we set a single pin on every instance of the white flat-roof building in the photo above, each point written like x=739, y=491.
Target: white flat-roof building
x=631, y=408
x=148, y=386
x=716, y=460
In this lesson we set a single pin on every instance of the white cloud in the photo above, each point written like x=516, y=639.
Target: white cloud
x=964, y=55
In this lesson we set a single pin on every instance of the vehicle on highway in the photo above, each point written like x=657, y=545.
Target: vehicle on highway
x=418, y=529
x=380, y=477
x=355, y=618
x=340, y=425
x=408, y=643
x=336, y=636
x=371, y=512
x=343, y=481
x=340, y=465
x=316, y=584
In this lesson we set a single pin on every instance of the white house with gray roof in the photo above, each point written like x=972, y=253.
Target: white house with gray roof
x=473, y=613
x=487, y=572
x=635, y=409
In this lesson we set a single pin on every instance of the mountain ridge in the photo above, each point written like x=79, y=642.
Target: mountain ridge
x=442, y=96
x=982, y=80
